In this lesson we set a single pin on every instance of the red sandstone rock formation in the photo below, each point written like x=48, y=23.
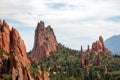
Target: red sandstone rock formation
x=82, y=60
x=19, y=61
x=45, y=42
x=99, y=46
x=86, y=62
x=105, y=69
x=88, y=50
x=4, y=36
x=85, y=57
x=98, y=62
x=81, y=50
x=17, y=46
x=14, y=51
x=13, y=57
x=42, y=75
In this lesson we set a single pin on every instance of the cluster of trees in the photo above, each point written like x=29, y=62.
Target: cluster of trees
x=65, y=65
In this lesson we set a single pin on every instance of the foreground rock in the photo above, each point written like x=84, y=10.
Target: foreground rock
x=45, y=42
x=19, y=62
x=4, y=36
x=13, y=58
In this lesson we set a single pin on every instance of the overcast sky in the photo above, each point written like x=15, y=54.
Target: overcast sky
x=75, y=22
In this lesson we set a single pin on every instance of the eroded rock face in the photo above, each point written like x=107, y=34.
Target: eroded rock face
x=99, y=46
x=88, y=50
x=42, y=75
x=45, y=42
x=4, y=36
x=105, y=69
x=81, y=49
x=98, y=61
x=18, y=47
x=19, y=62
x=84, y=60
x=13, y=57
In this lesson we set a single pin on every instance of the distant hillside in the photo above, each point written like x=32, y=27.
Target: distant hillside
x=66, y=64
x=113, y=44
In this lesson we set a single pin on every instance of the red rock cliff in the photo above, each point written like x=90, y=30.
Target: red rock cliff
x=45, y=42
x=4, y=36
x=13, y=57
x=11, y=44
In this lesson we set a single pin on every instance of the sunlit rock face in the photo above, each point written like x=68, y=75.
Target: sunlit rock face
x=13, y=58
x=99, y=46
x=45, y=42
x=4, y=36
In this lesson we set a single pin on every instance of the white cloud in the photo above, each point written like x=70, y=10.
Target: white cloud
x=75, y=22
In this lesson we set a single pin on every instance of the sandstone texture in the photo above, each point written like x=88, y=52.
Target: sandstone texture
x=13, y=57
x=4, y=36
x=99, y=46
x=45, y=42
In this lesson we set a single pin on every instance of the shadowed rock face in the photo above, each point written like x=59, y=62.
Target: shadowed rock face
x=45, y=42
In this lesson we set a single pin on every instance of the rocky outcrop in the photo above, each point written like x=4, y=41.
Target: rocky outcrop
x=13, y=57
x=18, y=48
x=81, y=49
x=13, y=53
x=19, y=63
x=42, y=75
x=4, y=36
x=84, y=60
x=105, y=69
x=88, y=50
x=99, y=46
x=45, y=42
x=98, y=62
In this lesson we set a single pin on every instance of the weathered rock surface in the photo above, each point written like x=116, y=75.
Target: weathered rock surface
x=88, y=50
x=42, y=75
x=45, y=42
x=84, y=60
x=99, y=46
x=98, y=62
x=17, y=46
x=4, y=36
x=105, y=69
x=19, y=61
x=13, y=57
x=81, y=49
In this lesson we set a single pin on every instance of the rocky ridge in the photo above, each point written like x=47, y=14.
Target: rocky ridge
x=45, y=42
